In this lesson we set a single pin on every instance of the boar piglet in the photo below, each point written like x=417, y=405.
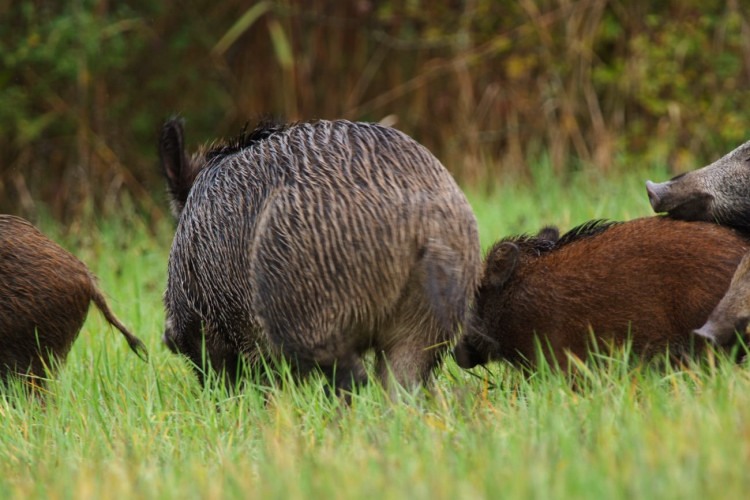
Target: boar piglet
x=719, y=192
x=316, y=242
x=653, y=280
x=45, y=294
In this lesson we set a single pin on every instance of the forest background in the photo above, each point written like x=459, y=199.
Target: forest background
x=491, y=87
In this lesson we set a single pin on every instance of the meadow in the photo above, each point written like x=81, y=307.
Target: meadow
x=113, y=426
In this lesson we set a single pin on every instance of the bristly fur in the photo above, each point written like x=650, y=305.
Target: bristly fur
x=317, y=242
x=590, y=228
x=46, y=293
x=527, y=244
x=617, y=283
x=264, y=129
x=534, y=245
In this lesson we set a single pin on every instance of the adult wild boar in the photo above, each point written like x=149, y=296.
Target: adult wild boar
x=653, y=280
x=45, y=294
x=732, y=314
x=719, y=192
x=317, y=242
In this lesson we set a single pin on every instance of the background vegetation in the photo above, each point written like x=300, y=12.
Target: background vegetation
x=490, y=86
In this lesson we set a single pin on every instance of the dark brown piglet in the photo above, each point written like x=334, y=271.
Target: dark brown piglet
x=45, y=294
x=653, y=279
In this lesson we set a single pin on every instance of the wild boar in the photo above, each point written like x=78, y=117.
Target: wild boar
x=316, y=242
x=732, y=314
x=719, y=192
x=45, y=294
x=652, y=280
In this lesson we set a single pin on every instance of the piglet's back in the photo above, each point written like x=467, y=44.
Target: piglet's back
x=657, y=277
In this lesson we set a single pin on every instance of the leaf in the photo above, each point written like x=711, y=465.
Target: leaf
x=281, y=45
x=30, y=129
x=241, y=26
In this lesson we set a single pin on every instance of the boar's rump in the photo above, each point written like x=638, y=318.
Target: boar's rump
x=45, y=294
x=317, y=242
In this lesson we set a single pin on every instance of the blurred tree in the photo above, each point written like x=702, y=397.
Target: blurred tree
x=490, y=86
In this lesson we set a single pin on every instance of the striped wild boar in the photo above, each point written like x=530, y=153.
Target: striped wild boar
x=316, y=242
x=719, y=192
x=45, y=294
x=653, y=280
x=732, y=314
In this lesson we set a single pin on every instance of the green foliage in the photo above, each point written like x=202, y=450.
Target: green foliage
x=685, y=70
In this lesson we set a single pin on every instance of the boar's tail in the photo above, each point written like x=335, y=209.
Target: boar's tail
x=444, y=284
x=136, y=345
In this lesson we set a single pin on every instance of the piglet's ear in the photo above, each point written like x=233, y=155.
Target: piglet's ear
x=549, y=233
x=501, y=262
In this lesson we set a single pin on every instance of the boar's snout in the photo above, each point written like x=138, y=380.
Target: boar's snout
x=707, y=331
x=167, y=337
x=681, y=199
x=467, y=356
x=723, y=336
x=656, y=192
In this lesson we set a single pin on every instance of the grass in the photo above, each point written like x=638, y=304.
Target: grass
x=113, y=426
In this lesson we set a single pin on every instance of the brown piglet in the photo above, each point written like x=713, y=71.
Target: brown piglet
x=45, y=294
x=653, y=280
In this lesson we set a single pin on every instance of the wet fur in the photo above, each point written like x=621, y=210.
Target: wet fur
x=318, y=242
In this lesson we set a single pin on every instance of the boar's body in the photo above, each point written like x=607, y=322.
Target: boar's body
x=318, y=242
x=719, y=192
x=653, y=280
x=45, y=294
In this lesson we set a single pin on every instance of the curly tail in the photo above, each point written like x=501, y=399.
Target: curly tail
x=136, y=345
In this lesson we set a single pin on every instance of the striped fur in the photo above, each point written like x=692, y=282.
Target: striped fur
x=319, y=242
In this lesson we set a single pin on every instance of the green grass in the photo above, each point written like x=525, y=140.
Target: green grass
x=115, y=427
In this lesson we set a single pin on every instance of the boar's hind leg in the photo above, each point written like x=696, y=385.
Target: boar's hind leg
x=411, y=347
x=334, y=352
x=407, y=360
x=345, y=373
x=423, y=323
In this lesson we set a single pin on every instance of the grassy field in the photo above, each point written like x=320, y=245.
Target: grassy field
x=115, y=427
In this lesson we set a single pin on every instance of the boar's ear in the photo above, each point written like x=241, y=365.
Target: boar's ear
x=178, y=170
x=174, y=162
x=501, y=262
x=172, y=151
